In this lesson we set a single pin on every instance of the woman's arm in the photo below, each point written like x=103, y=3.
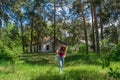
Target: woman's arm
x=65, y=52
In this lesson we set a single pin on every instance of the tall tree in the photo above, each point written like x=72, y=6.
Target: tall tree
x=101, y=21
x=96, y=27
x=17, y=9
x=84, y=25
x=3, y=16
x=40, y=29
x=54, y=25
x=0, y=18
x=33, y=9
x=32, y=25
x=93, y=28
x=22, y=37
x=0, y=28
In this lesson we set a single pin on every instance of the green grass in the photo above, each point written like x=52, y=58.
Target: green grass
x=45, y=67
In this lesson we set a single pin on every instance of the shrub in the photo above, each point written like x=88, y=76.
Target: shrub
x=82, y=48
x=114, y=72
x=69, y=50
x=6, y=53
x=107, y=47
x=114, y=56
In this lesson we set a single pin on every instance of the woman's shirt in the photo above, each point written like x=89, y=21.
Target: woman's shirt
x=61, y=54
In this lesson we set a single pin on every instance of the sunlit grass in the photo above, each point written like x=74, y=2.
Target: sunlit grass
x=45, y=67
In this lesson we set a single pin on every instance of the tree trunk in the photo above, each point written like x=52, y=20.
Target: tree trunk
x=0, y=28
x=31, y=35
x=96, y=29
x=93, y=30
x=0, y=21
x=101, y=22
x=115, y=35
x=84, y=26
x=22, y=37
x=54, y=26
x=37, y=44
x=38, y=36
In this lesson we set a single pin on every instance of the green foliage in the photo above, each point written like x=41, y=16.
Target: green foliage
x=10, y=43
x=105, y=62
x=11, y=36
x=113, y=57
x=114, y=72
x=82, y=48
x=106, y=46
x=69, y=50
x=27, y=31
x=4, y=52
x=5, y=56
x=78, y=48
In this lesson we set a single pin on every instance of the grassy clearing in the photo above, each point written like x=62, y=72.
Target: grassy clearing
x=45, y=67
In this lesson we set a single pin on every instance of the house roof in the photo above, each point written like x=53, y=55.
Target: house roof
x=60, y=41
x=46, y=39
x=83, y=41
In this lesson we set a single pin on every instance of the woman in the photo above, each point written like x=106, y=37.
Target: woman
x=62, y=55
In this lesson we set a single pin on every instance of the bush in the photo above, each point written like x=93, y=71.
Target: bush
x=82, y=48
x=107, y=47
x=69, y=51
x=114, y=72
x=6, y=53
x=114, y=56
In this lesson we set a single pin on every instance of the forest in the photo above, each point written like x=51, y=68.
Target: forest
x=90, y=29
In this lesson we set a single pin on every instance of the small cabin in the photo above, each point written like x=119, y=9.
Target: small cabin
x=46, y=45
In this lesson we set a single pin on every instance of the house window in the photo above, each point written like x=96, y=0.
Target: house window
x=39, y=47
x=47, y=47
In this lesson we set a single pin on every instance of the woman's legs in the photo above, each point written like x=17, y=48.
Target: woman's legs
x=61, y=63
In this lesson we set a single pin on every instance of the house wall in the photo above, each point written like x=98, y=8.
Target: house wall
x=43, y=47
x=32, y=49
x=28, y=49
x=40, y=50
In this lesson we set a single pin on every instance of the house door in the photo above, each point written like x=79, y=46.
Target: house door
x=35, y=49
x=47, y=47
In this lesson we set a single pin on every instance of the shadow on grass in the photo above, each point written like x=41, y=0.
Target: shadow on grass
x=50, y=59
x=39, y=59
x=84, y=59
